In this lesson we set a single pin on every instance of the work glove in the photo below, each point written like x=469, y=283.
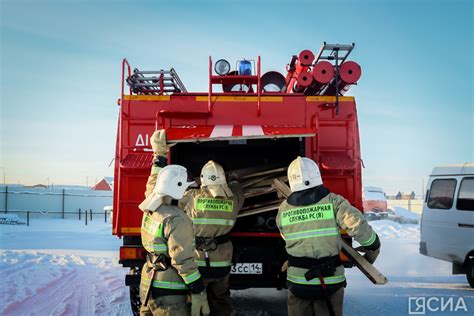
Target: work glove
x=199, y=304
x=158, y=143
x=369, y=255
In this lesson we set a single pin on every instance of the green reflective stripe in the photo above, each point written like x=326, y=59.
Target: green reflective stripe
x=369, y=241
x=165, y=284
x=155, y=170
x=307, y=213
x=210, y=204
x=157, y=247
x=202, y=263
x=312, y=233
x=213, y=221
x=315, y=281
x=170, y=285
x=192, y=277
x=152, y=227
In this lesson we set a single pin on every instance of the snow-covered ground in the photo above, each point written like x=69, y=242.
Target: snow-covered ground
x=62, y=267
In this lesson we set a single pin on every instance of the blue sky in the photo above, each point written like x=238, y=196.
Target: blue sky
x=60, y=74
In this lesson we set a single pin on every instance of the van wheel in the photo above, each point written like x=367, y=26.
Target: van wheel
x=470, y=273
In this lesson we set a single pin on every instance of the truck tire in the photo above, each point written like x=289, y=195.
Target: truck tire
x=470, y=272
x=135, y=300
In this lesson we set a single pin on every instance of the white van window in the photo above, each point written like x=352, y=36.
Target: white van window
x=466, y=195
x=442, y=194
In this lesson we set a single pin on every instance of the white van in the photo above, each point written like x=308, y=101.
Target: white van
x=447, y=222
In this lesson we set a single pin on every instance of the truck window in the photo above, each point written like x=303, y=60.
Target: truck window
x=442, y=194
x=466, y=195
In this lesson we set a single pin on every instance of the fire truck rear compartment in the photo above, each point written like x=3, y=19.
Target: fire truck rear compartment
x=256, y=238
x=238, y=154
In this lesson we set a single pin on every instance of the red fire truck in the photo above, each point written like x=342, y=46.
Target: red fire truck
x=245, y=119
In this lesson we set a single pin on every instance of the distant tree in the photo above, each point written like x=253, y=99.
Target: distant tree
x=399, y=195
x=412, y=195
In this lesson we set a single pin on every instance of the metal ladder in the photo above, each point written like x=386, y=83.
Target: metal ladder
x=338, y=54
x=155, y=82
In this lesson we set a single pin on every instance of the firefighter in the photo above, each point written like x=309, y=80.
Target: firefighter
x=309, y=221
x=213, y=209
x=170, y=271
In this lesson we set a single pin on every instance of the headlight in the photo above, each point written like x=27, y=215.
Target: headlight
x=222, y=67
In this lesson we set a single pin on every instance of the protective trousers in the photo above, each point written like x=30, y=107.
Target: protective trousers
x=301, y=307
x=168, y=305
x=218, y=296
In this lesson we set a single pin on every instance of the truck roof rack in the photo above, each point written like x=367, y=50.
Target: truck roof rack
x=337, y=52
x=155, y=82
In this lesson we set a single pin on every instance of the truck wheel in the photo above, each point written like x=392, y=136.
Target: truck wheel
x=470, y=273
x=135, y=300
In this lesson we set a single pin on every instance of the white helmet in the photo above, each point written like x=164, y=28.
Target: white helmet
x=213, y=177
x=171, y=181
x=303, y=173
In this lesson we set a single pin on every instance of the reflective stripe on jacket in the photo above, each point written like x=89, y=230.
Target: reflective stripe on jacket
x=169, y=231
x=212, y=217
x=313, y=231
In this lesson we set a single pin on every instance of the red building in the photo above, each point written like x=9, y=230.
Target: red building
x=106, y=184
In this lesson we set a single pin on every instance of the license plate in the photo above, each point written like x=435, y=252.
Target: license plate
x=247, y=268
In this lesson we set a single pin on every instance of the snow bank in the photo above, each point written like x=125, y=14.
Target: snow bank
x=403, y=212
x=387, y=229
x=10, y=219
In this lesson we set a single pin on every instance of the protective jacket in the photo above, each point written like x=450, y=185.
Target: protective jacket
x=309, y=222
x=167, y=234
x=213, y=219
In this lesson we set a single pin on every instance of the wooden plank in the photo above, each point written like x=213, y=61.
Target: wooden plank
x=264, y=209
x=269, y=181
x=263, y=173
x=239, y=174
x=281, y=187
x=251, y=192
x=258, y=205
x=374, y=275
x=252, y=182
